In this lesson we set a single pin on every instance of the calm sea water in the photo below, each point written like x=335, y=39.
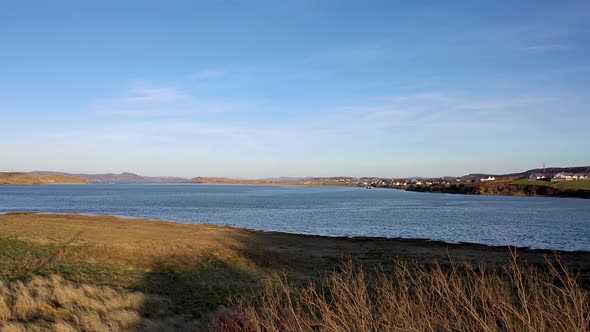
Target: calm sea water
x=537, y=222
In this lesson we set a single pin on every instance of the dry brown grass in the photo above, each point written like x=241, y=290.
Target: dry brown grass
x=54, y=304
x=35, y=179
x=191, y=270
x=415, y=298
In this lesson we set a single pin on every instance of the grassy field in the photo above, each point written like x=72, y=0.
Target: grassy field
x=507, y=187
x=574, y=184
x=72, y=272
x=35, y=179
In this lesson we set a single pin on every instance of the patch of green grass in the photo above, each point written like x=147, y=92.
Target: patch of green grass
x=192, y=289
x=23, y=260
x=535, y=183
x=573, y=184
x=18, y=259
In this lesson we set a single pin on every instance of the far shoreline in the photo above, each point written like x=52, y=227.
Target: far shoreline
x=277, y=184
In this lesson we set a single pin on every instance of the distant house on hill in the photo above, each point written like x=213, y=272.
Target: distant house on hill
x=564, y=177
x=539, y=176
x=489, y=178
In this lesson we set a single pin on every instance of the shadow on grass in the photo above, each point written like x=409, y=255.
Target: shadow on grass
x=194, y=282
x=195, y=291
x=200, y=287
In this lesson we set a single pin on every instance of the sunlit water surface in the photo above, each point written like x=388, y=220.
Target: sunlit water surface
x=537, y=222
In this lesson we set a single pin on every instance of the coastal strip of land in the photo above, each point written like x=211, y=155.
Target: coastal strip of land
x=502, y=187
x=575, y=188
x=553, y=181
x=309, y=182
x=22, y=179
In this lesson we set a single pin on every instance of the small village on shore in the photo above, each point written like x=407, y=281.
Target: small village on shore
x=378, y=182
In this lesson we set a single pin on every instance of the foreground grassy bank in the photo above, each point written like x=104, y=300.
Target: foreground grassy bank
x=97, y=273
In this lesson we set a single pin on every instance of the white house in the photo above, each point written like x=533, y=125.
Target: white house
x=490, y=178
x=564, y=177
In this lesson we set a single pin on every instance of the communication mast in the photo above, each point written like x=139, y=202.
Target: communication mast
x=543, y=168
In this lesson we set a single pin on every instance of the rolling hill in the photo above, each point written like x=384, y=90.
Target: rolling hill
x=38, y=179
x=125, y=177
x=549, y=171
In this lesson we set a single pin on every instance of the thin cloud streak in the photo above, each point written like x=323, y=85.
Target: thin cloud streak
x=168, y=102
x=546, y=47
x=499, y=104
x=433, y=110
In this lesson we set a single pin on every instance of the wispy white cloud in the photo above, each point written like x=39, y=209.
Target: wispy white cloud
x=211, y=73
x=426, y=97
x=445, y=114
x=433, y=109
x=168, y=102
x=168, y=137
x=118, y=112
x=356, y=53
x=148, y=96
x=396, y=125
x=546, y=47
x=167, y=116
x=144, y=101
x=502, y=103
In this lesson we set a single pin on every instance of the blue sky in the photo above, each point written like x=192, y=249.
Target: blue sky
x=294, y=88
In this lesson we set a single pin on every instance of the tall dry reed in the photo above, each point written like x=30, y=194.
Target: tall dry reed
x=419, y=298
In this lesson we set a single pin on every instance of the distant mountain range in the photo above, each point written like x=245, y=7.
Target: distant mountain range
x=135, y=178
x=119, y=178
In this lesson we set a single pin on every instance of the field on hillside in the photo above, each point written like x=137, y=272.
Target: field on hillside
x=93, y=273
x=573, y=184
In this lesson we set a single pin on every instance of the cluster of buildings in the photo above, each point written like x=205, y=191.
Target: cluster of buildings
x=401, y=183
x=558, y=177
x=568, y=176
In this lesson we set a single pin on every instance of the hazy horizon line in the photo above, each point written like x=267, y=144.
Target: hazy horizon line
x=282, y=176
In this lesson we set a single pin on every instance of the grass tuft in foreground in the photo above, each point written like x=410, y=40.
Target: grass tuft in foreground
x=415, y=298
x=54, y=304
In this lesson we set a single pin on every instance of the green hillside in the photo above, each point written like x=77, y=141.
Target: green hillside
x=574, y=184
